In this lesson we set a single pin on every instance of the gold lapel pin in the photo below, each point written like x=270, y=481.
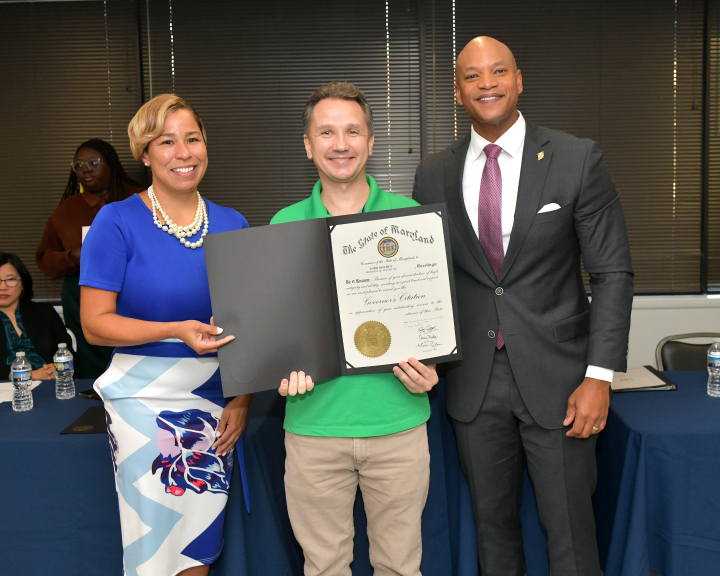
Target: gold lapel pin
x=541, y=155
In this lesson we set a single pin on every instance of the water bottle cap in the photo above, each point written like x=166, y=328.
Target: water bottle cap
x=63, y=345
x=20, y=355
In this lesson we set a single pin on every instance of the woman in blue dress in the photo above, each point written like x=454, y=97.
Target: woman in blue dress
x=145, y=291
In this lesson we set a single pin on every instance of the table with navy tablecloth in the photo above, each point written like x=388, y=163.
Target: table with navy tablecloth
x=58, y=503
x=656, y=505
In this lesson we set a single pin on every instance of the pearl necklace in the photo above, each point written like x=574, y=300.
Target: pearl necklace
x=181, y=232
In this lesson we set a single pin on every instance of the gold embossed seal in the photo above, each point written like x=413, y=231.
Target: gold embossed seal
x=388, y=247
x=372, y=339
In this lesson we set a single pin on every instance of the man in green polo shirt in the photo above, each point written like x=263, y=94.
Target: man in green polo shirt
x=366, y=430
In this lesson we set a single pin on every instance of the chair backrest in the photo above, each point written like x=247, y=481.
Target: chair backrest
x=61, y=313
x=73, y=339
x=671, y=354
x=59, y=310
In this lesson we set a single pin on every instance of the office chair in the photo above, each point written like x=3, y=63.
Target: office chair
x=673, y=355
x=61, y=313
x=73, y=339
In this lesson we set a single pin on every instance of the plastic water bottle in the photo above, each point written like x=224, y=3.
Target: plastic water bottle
x=64, y=371
x=21, y=378
x=713, y=388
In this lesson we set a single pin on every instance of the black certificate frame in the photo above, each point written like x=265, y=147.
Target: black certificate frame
x=441, y=210
x=274, y=289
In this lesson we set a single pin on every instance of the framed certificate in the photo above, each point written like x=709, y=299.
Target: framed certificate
x=394, y=288
x=337, y=296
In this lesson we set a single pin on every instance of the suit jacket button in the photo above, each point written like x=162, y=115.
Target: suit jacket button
x=491, y=333
x=499, y=291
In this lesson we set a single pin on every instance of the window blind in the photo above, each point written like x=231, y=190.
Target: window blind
x=248, y=68
x=713, y=138
x=70, y=72
x=627, y=74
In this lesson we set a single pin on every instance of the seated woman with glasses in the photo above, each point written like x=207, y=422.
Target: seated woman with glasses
x=96, y=178
x=31, y=327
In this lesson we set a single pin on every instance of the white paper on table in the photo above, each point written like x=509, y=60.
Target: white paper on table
x=6, y=390
x=85, y=230
x=639, y=378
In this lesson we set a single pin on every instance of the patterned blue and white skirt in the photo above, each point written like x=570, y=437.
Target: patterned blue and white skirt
x=162, y=414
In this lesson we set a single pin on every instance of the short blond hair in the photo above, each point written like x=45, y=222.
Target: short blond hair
x=148, y=122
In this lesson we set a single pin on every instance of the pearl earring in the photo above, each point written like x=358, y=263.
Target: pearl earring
x=146, y=164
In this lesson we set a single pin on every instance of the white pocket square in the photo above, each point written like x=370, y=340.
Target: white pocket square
x=549, y=208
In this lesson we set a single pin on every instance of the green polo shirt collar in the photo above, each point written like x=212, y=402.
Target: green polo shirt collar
x=375, y=202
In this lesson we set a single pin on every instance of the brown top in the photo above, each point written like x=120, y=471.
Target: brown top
x=63, y=232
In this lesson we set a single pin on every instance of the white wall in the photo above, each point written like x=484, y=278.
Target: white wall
x=655, y=317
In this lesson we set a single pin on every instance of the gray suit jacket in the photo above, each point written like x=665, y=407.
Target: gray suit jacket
x=551, y=331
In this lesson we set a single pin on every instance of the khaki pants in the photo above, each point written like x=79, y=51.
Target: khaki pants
x=321, y=479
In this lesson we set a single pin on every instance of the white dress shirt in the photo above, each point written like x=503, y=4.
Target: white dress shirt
x=512, y=143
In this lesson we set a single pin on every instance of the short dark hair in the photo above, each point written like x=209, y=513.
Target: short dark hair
x=339, y=91
x=27, y=282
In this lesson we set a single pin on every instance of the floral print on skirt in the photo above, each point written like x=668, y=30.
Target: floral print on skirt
x=162, y=416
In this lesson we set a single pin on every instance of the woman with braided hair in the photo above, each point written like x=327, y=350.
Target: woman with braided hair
x=96, y=178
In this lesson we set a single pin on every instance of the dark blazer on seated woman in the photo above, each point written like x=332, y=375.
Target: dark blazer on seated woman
x=43, y=326
x=26, y=326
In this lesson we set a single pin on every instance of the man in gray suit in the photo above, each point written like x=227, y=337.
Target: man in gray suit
x=533, y=388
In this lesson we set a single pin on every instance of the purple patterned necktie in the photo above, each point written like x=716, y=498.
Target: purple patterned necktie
x=490, y=216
